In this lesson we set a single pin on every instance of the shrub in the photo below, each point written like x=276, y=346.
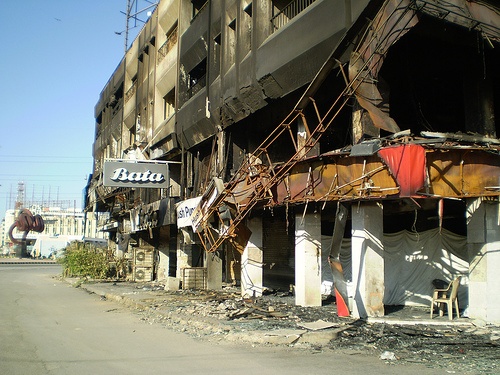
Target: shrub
x=84, y=260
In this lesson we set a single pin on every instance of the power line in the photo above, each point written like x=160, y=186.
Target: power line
x=40, y=175
x=46, y=156
x=43, y=162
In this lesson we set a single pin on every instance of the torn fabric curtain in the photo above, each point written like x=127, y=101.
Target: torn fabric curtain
x=407, y=165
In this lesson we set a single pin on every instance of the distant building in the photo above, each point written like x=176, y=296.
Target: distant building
x=255, y=142
x=58, y=222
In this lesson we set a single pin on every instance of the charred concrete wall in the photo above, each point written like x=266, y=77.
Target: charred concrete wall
x=233, y=61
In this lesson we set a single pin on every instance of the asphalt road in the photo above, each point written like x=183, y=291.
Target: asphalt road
x=49, y=327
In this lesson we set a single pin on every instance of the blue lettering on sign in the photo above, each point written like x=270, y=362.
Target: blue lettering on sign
x=185, y=212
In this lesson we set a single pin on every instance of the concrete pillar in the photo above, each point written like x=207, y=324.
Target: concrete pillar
x=252, y=261
x=163, y=250
x=483, y=243
x=213, y=262
x=367, y=260
x=163, y=265
x=184, y=251
x=308, y=259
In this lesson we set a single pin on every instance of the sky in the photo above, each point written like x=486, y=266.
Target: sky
x=56, y=58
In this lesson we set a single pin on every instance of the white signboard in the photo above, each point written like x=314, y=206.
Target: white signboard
x=184, y=210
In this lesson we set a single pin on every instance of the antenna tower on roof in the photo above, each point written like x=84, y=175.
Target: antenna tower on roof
x=137, y=14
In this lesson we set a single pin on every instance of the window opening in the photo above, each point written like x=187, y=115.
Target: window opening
x=169, y=104
x=169, y=43
x=197, y=78
x=284, y=11
x=198, y=5
x=218, y=40
x=248, y=9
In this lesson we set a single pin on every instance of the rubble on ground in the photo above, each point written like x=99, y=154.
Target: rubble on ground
x=274, y=319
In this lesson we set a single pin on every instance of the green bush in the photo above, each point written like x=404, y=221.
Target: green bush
x=85, y=260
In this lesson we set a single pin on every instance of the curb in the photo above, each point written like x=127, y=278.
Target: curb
x=204, y=326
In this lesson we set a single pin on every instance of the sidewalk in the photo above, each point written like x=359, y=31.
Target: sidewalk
x=271, y=319
x=224, y=314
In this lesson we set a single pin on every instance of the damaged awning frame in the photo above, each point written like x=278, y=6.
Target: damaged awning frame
x=381, y=24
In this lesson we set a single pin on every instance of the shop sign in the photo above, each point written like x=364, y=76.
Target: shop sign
x=135, y=173
x=184, y=211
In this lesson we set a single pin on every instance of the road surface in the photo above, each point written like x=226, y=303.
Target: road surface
x=49, y=327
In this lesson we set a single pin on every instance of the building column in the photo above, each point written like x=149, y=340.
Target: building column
x=163, y=249
x=367, y=260
x=184, y=251
x=213, y=262
x=308, y=259
x=252, y=261
x=483, y=243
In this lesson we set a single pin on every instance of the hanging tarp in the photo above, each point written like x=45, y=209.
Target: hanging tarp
x=412, y=261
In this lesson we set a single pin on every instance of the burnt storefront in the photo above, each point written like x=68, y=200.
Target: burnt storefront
x=360, y=162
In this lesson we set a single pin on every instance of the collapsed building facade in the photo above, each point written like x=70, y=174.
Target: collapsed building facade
x=330, y=147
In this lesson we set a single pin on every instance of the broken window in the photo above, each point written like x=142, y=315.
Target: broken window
x=246, y=28
x=218, y=40
x=231, y=42
x=115, y=100
x=432, y=74
x=197, y=78
x=216, y=55
x=133, y=88
x=248, y=9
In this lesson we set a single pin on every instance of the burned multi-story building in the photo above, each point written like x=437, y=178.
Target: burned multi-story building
x=331, y=147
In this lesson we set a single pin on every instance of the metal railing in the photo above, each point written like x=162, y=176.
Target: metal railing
x=196, y=85
x=287, y=13
x=131, y=91
x=168, y=45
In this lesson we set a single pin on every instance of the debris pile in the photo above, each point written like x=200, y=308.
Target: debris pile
x=474, y=350
x=274, y=319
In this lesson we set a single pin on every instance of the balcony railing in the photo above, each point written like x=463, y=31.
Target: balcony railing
x=287, y=13
x=131, y=91
x=197, y=85
x=168, y=45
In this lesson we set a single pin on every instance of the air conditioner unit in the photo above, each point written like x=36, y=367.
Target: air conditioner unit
x=143, y=274
x=140, y=275
x=140, y=256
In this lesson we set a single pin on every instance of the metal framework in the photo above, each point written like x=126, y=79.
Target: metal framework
x=132, y=13
x=255, y=179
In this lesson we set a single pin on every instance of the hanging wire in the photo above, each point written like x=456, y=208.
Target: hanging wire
x=414, y=226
